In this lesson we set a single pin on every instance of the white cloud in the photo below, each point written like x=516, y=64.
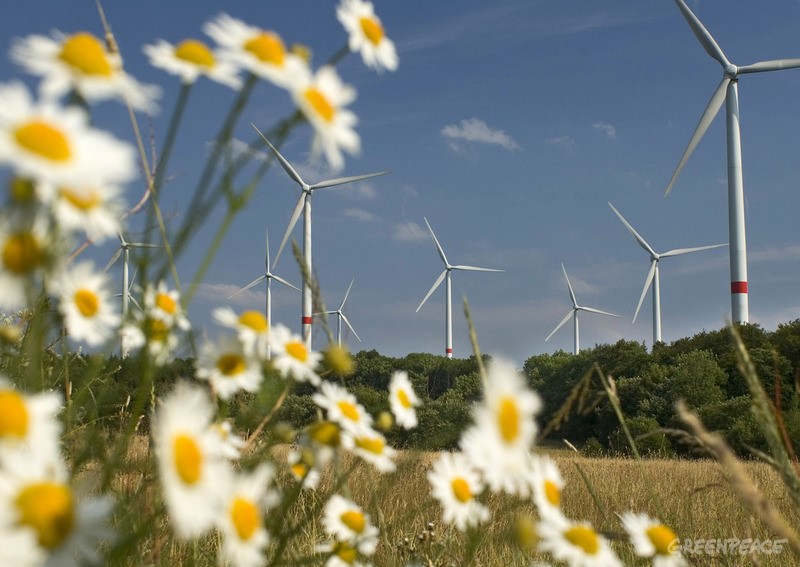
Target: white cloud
x=611, y=132
x=564, y=143
x=476, y=130
x=360, y=214
x=221, y=292
x=410, y=232
x=357, y=190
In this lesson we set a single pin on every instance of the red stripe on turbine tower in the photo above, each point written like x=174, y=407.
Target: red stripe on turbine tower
x=306, y=320
x=448, y=350
x=738, y=287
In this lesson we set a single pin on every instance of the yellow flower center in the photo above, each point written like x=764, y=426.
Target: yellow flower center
x=84, y=53
x=255, y=321
x=345, y=552
x=231, y=364
x=267, y=47
x=662, y=538
x=354, y=520
x=403, y=398
x=583, y=537
x=22, y=253
x=320, y=104
x=339, y=360
x=165, y=302
x=158, y=330
x=297, y=351
x=350, y=411
x=81, y=200
x=46, y=507
x=552, y=493
x=461, y=490
x=325, y=433
x=196, y=52
x=245, y=517
x=188, y=458
x=299, y=470
x=87, y=302
x=372, y=444
x=13, y=415
x=372, y=29
x=21, y=190
x=508, y=419
x=44, y=140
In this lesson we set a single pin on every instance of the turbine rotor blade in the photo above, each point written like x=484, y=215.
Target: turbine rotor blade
x=701, y=33
x=349, y=326
x=287, y=167
x=266, y=257
x=679, y=251
x=346, y=294
x=143, y=245
x=436, y=284
x=705, y=121
x=284, y=282
x=474, y=268
x=436, y=241
x=774, y=65
x=292, y=221
x=569, y=285
x=113, y=259
x=642, y=242
x=561, y=324
x=598, y=311
x=343, y=180
x=136, y=303
x=248, y=286
x=647, y=281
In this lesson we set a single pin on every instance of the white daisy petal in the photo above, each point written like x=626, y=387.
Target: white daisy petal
x=367, y=35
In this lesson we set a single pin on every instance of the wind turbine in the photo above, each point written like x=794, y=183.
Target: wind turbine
x=728, y=92
x=445, y=275
x=304, y=206
x=574, y=314
x=652, y=274
x=269, y=276
x=342, y=317
x=124, y=251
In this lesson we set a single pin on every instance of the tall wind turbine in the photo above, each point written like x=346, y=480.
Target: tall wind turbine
x=652, y=274
x=124, y=251
x=304, y=206
x=728, y=92
x=268, y=276
x=342, y=317
x=445, y=275
x=574, y=314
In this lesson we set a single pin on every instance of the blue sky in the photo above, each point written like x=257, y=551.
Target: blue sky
x=509, y=125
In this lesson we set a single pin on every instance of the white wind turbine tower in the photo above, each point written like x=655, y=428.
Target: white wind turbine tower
x=304, y=206
x=727, y=91
x=342, y=317
x=268, y=276
x=574, y=314
x=445, y=275
x=652, y=274
x=124, y=251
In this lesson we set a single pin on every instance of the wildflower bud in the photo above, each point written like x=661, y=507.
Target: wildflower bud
x=10, y=335
x=339, y=360
x=302, y=51
x=307, y=457
x=284, y=432
x=385, y=421
x=525, y=533
x=325, y=433
x=21, y=190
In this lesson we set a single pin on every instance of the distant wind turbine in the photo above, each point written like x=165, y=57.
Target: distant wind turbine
x=304, y=206
x=574, y=314
x=728, y=92
x=342, y=317
x=652, y=274
x=445, y=275
x=124, y=251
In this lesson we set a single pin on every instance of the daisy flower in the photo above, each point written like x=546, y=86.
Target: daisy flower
x=367, y=35
x=454, y=483
x=301, y=470
x=80, y=62
x=24, y=251
x=86, y=303
x=292, y=358
x=261, y=52
x=45, y=141
x=231, y=444
x=226, y=366
x=575, y=543
x=91, y=208
x=345, y=521
x=190, y=462
x=244, y=536
x=402, y=400
x=251, y=329
x=190, y=59
x=370, y=446
x=322, y=98
x=342, y=407
x=165, y=304
x=340, y=554
x=28, y=420
x=547, y=485
x=160, y=340
x=653, y=539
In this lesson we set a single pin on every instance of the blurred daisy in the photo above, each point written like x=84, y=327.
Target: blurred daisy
x=653, y=539
x=547, y=485
x=261, y=52
x=402, y=400
x=371, y=446
x=244, y=537
x=165, y=304
x=159, y=339
x=231, y=444
x=190, y=465
x=292, y=358
x=45, y=141
x=251, y=329
x=455, y=484
x=367, y=35
x=342, y=407
x=88, y=207
x=23, y=253
x=322, y=98
x=28, y=420
x=341, y=554
x=86, y=303
x=575, y=543
x=226, y=366
x=301, y=469
x=190, y=59
x=80, y=62
x=345, y=521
